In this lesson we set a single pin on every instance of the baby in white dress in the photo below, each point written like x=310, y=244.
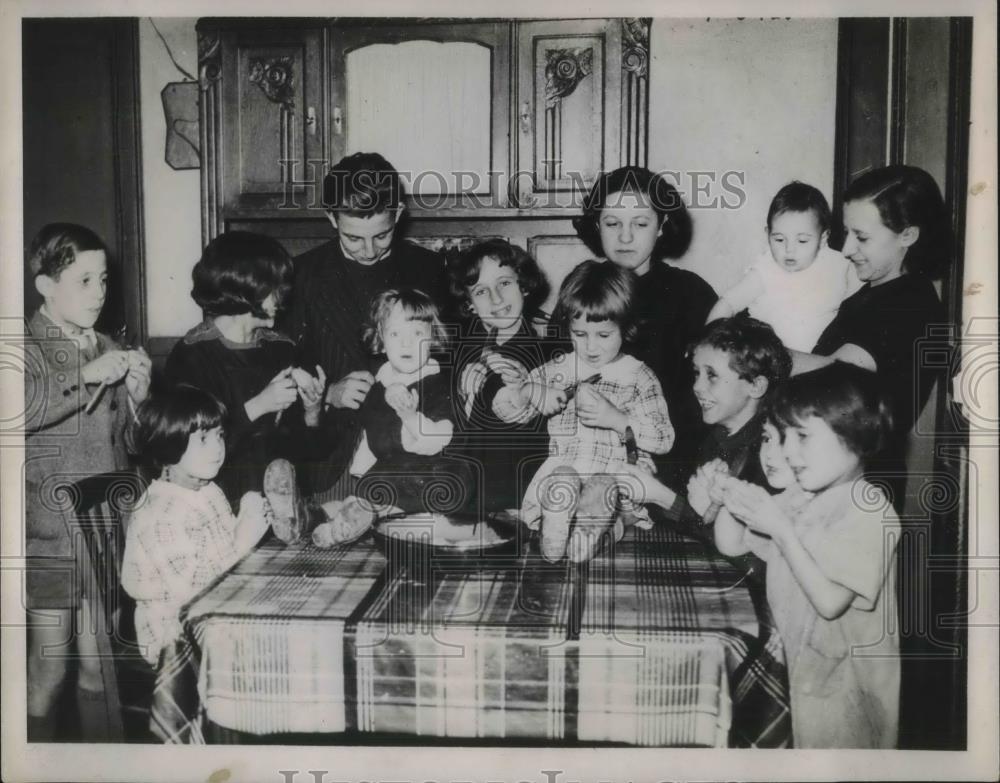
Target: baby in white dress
x=797, y=285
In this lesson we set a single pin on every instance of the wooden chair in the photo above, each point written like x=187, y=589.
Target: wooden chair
x=97, y=512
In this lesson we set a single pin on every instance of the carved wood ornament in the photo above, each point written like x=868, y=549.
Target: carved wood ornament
x=275, y=78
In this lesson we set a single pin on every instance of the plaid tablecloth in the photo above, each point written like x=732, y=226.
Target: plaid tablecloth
x=654, y=642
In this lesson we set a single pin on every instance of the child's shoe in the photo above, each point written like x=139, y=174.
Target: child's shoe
x=558, y=495
x=290, y=515
x=595, y=517
x=348, y=521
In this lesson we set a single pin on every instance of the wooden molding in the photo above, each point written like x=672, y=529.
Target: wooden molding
x=635, y=92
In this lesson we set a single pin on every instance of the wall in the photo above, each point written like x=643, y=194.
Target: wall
x=753, y=96
x=172, y=198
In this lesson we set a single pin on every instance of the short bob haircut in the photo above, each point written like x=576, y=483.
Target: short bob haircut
x=908, y=196
x=362, y=185
x=56, y=246
x=417, y=306
x=843, y=395
x=238, y=270
x=663, y=198
x=753, y=348
x=167, y=420
x=799, y=197
x=464, y=269
x=599, y=291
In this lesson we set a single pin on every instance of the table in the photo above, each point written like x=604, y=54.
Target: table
x=654, y=642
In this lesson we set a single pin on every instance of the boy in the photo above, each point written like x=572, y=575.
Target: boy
x=738, y=363
x=80, y=394
x=335, y=285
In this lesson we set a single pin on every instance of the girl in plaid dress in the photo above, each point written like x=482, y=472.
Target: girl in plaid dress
x=183, y=534
x=606, y=407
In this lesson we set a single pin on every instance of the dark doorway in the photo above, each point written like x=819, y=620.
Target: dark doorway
x=81, y=149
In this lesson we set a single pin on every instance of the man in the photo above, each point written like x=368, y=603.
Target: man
x=335, y=284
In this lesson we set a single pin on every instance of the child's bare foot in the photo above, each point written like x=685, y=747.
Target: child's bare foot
x=282, y=494
x=558, y=494
x=349, y=522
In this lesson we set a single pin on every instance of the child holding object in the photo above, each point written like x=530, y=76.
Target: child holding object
x=240, y=283
x=602, y=404
x=828, y=541
x=80, y=394
x=797, y=285
x=499, y=285
x=183, y=533
x=407, y=420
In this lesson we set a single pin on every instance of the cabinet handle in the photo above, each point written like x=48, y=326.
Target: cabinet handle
x=525, y=118
x=311, y=120
x=338, y=120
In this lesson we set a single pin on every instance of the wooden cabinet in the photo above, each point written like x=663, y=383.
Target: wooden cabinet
x=263, y=119
x=489, y=120
x=434, y=98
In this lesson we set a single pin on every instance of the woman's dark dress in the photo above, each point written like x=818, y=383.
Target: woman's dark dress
x=892, y=322
x=504, y=454
x=672, y=307
x=235, y=373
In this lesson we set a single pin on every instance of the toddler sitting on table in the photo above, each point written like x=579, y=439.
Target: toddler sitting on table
x=604, y=407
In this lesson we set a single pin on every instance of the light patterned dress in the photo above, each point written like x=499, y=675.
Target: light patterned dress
x=843, y=673
x=179, y=541
x=630, y=386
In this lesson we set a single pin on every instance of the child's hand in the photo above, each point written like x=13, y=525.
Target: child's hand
x=277, y=395
x=715, y=472
x=107, y=368
x=511, y=372
x=402, y=400
x=595, y=410
x=310, y=388
x=753, y=506
x=698, y=496
x=641, y=486
x=547, y=400
x=351, y=390
x=138, y=375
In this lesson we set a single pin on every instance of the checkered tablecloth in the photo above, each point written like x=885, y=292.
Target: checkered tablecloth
x=648, y=644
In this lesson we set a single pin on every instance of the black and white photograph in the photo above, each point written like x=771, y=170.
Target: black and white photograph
x=535, y=392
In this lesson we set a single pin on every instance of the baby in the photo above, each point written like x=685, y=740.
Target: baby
x=797, y=286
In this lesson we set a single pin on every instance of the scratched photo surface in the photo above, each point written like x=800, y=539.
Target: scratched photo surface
x=538, y=393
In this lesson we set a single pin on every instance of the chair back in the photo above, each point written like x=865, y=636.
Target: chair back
x=96, y=510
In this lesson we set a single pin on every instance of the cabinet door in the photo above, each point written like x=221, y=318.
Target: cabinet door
x=568, y=101
x=264, y=108
x=434, y=99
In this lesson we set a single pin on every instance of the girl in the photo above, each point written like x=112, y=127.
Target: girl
x=499, y=285
x=80, y=393
x=797, y=286
x=637, y=220
x=182, y=534
x=898, y=240
x=604, y=406
x=828, y=543
x=240, y=283
x=408, y=414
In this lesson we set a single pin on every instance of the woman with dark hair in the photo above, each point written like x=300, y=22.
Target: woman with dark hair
x=898, y=235
x=240, y=282
x=498, y=286
x=636, y=219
